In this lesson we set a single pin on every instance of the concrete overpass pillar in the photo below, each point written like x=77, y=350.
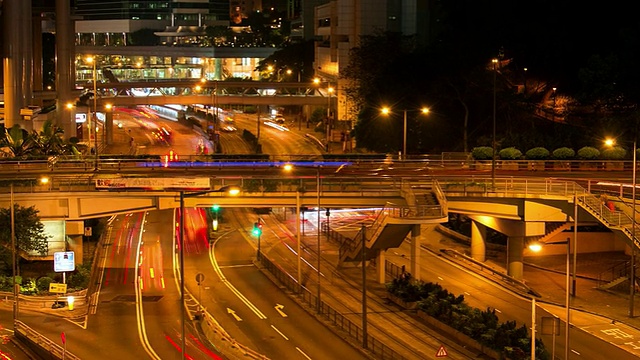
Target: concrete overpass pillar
x=415, y=252
x=515, y=246
x=65, y=67
x=381, y=265
x=17, y=60
x=478, y=241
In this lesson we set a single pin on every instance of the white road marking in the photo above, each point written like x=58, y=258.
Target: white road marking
x=302, y=352
x=278, y=331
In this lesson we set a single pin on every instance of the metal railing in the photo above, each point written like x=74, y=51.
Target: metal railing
x=377, y=347
x=30, y=335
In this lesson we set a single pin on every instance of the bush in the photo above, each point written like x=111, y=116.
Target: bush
x=482, y=326
x=43, y=283
x=564, y=153
x=614, y=153
x=482, y=153
x=510, y=153
x=588, y=153
x=537, y=153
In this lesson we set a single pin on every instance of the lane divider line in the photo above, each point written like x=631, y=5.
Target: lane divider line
x=303, y=354
x=279, y=332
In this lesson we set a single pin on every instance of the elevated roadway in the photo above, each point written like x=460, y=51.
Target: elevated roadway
x=185, y=92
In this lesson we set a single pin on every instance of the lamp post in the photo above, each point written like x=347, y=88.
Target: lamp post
x=94, y=123
x=330, y=90
x=632, y=269
x=537, y=247
x=230, y=190
x=493, y=137
x=319, y=307
x=386, y=111
x=13, y=255
x=364, y=287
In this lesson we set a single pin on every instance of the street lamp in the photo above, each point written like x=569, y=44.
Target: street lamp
x=330, y=91
x=228, y=190
x=493, y=137
x=536, y=247
x=387, y=111
x=93, y=61
x=632, y=270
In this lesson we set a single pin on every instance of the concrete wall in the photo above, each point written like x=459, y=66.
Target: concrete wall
x=588, y=242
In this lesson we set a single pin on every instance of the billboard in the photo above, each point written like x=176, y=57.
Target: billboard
x=154, y=183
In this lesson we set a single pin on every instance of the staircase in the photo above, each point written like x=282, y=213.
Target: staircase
x=551, y=229
x=393, y=222
x=617, y=220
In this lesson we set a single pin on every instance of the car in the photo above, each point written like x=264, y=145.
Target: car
x=279, y=119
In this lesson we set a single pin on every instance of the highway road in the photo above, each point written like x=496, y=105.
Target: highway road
x=482, y=294
x=251, y=308
x=276, y=139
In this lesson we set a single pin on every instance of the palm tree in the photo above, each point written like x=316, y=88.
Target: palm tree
x=18, y=142
x=50, y=140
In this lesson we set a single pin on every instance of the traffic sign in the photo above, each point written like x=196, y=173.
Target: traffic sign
x=199, y=278
x=63, y=261
x=442, y=352
x=58, y=288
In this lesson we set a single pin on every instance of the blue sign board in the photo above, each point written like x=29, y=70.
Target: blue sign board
x=63, y=261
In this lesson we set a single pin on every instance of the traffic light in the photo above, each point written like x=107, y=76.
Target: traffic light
x=215, y=208
x=257, y=228
x=215, y=224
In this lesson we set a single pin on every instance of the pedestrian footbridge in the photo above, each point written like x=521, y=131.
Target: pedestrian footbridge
x=524, y=209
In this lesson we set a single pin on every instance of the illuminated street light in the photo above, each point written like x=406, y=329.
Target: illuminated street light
x=493, y=137
x=330, y=91
x=387, y=111
x=632, y=271
x=536, y=247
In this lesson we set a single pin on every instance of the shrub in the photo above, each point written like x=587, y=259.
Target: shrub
x=43, y=283
x=510, y=153
x=482, y=153
x=588, y=153
x=537, y=153
x=564, y=153
x=614, y=153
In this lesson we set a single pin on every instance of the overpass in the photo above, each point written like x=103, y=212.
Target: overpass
x=185, y=92
x=523, y=209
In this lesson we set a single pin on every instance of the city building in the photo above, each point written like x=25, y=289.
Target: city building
x=339, y=24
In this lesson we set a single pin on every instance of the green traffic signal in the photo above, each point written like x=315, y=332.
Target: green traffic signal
x=215, y=207
x=257, y=229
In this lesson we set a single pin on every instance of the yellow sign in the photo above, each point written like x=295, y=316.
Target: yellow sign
x=58, y=288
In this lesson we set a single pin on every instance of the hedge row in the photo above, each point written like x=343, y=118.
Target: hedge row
x=563, y=153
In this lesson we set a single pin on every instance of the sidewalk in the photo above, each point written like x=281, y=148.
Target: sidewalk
x=602, y=313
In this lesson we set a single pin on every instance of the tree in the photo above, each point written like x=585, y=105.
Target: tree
x=29, y=232
x=18, y=141
x=297, y=57
x=50, y=141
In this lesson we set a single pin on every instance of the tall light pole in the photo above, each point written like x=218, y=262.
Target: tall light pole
x=319, y=307
x=330, y=90
x=14, y=268
x=386, y=111
x=567, y=299
x=632, y=270
x=364, y=287
x=493, y=137
x=94, y=123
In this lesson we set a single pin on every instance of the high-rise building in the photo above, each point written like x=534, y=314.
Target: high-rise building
x=339, y=24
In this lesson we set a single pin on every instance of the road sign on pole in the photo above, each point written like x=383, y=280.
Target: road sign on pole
x=442, y=352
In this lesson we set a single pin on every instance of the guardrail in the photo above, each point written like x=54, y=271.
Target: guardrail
x=370, y=161
x=326, y=311
x=53, y=350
